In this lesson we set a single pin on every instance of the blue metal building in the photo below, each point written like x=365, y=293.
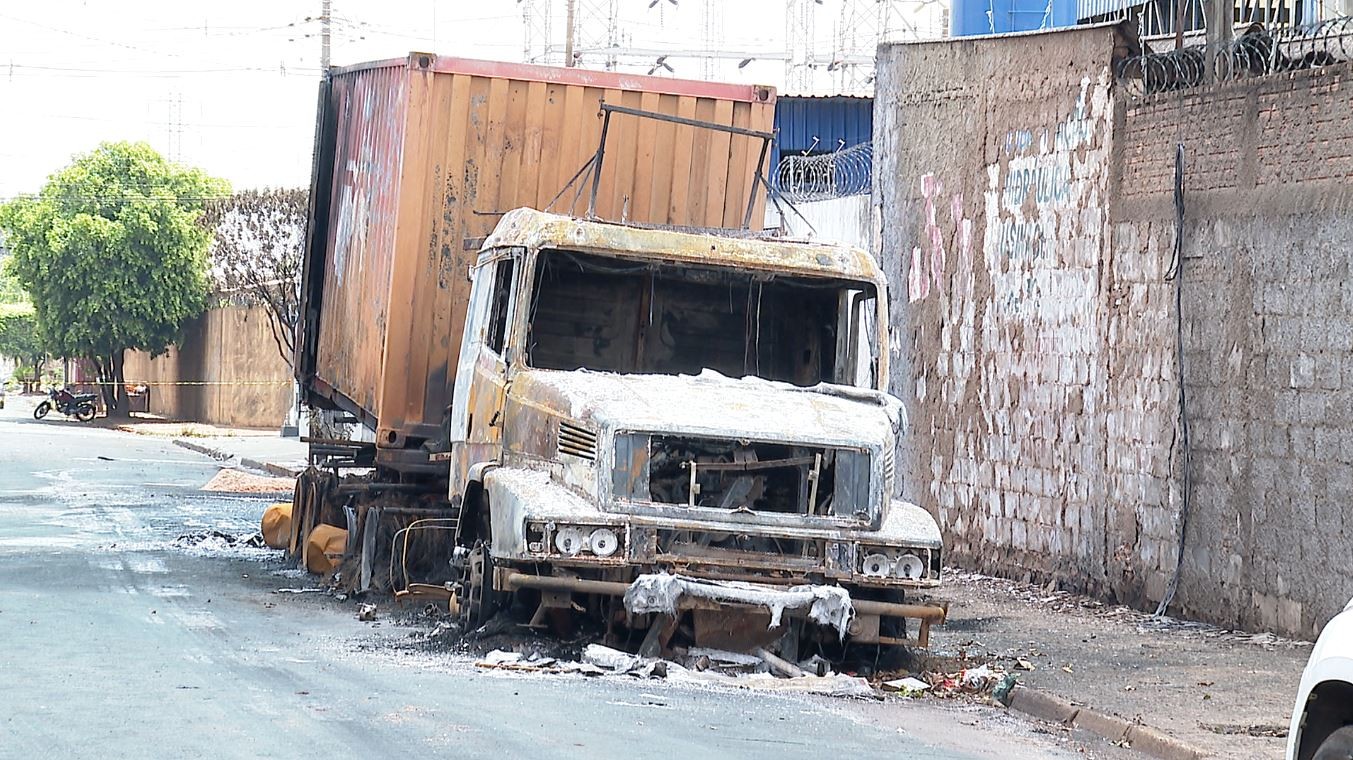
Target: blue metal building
x=969, y=18
x=815, y=126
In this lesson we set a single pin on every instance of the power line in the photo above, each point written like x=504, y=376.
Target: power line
x=186, y=124
x=83, y=72
x=86, y=37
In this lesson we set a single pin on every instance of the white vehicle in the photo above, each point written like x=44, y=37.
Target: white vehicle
x=1322, y=722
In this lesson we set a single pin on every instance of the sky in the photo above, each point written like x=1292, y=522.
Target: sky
x=231, y=87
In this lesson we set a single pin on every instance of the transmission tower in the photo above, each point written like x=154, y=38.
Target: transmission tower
x=800, y=17
x=711, y=36
x=859, y=29
x=597, y=33
x=535, y=16
x=591, y=30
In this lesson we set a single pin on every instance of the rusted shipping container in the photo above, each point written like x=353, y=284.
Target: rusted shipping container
x=415, y=161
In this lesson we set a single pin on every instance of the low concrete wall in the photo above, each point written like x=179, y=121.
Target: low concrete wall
x=228, y=371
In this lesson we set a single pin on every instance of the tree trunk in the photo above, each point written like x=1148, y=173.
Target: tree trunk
x=102, y=376
x=117, y=361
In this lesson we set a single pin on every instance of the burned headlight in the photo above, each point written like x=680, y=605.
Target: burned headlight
x=891, y=563
x=582, y=541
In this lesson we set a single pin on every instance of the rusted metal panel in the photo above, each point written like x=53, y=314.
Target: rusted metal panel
x=429, y=152
x=353, y=269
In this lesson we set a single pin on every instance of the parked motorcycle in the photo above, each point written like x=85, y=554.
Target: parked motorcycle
x=78, y=405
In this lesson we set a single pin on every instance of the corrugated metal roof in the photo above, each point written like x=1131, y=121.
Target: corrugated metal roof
x=799, y=120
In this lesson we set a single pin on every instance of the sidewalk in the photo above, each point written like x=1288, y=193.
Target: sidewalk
x=255, y=449
x=1227, y=693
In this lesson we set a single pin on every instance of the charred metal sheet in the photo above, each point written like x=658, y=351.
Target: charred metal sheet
x=535, y=229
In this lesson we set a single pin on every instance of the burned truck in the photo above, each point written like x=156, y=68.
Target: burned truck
x=667, y=421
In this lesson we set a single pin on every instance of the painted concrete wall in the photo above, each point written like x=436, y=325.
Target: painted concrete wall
x=838, y=220
x=994, y=204
x=228, y=371
x=1028, y=230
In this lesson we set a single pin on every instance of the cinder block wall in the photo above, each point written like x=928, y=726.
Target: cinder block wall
x=1268, y=314
x=1027, y=227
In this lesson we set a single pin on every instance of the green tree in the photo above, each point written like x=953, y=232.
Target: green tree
x=113, y=256
x=19, y=338
x=11, y=292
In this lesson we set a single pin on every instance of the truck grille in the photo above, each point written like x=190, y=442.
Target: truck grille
x=889, y=471
x=577, y=441
x=737, y=475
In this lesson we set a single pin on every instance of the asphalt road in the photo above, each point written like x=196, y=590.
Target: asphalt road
x=115, y=642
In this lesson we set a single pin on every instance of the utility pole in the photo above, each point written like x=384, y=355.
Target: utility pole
x=570, y=22
x=325, y=19
x=1220, y=18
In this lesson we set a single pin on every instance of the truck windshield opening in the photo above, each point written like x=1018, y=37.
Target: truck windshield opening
x=617, y=315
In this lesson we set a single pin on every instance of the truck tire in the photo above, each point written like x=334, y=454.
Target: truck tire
x=480, y=602
x=1337, y=746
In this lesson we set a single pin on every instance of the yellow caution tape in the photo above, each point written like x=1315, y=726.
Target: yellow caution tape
x=186, y=382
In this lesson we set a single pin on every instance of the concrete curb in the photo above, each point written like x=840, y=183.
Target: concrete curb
x=275, y=470
x=1109, y=727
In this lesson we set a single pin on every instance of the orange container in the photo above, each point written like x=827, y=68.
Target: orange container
x=415, y=161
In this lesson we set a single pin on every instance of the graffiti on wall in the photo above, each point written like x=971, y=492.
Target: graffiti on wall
x=928, y=261
x=1041, y=194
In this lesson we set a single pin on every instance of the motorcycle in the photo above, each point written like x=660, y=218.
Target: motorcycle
x=78, y=405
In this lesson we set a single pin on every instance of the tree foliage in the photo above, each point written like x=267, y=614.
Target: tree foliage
x=19, y=337
x=11, y=292
x=112, y=254
x=256, y=255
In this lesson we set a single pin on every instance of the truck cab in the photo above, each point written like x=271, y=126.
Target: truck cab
x=683, y=421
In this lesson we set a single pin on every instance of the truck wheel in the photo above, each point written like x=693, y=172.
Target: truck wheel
x=480, y=600
x=1337, y=746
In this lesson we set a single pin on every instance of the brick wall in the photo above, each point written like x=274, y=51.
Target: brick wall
x=1268, y=313
x=1028, y=228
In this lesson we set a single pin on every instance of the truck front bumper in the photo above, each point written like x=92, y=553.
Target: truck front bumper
x=700, y=594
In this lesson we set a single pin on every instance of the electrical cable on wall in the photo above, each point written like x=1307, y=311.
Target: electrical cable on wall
x=1175, y=273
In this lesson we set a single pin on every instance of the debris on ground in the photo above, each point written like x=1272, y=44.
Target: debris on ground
x=276, y=525
x=1160, y=671
x=702, y=667
x=218, y=540
x=230, y=480
x=909, y=686
x=1054, y=600
x=1274, y=730
x=366, y=612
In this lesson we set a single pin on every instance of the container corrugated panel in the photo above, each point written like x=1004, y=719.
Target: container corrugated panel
x=368, y=108
x=477, y=139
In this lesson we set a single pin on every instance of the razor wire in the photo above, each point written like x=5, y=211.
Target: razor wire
x=1256, y=52
x=839, y=174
